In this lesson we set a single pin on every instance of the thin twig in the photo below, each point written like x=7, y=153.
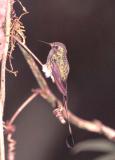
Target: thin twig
x=10, y=128
x=28, y=50
x=11, y=147
x=22, y=107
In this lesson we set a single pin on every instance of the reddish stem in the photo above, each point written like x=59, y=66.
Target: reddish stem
x=24, y=104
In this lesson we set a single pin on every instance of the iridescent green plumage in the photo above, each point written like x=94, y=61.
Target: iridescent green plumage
x=58, y=55
x=57, y=66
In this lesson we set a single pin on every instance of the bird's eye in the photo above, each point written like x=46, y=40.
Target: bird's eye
x=56, y=47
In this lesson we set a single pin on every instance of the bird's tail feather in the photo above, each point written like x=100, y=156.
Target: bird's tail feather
x=70, y=138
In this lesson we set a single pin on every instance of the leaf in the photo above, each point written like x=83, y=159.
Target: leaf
x=106, y=157
x=98, y=145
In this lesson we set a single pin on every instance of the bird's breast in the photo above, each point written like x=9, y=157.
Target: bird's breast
x=62, y=63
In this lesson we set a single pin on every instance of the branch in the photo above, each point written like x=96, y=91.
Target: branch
x=92, y=126
x=95, y=126
x=10, y=128
x=5, y=10
x=23, y=106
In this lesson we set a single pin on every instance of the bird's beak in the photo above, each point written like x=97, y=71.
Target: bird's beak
x=45, y=42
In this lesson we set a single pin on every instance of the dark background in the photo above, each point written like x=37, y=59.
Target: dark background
x=87, y=28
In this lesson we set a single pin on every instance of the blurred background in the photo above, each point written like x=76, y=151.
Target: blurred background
x=87, y=28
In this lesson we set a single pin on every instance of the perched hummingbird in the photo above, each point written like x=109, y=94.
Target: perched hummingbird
x=57, y=66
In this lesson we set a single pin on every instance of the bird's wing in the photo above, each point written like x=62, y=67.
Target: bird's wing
x=57, y=78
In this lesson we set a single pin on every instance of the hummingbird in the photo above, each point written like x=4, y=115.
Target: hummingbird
x=57, y=68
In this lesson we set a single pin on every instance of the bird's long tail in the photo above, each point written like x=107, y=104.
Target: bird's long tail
x=70, y=138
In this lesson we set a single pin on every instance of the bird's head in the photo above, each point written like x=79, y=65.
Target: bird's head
x=58, y=46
